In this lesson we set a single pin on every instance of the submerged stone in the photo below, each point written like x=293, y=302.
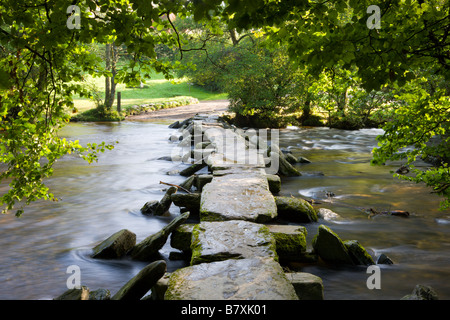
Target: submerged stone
x=422, y=292
x=215, y=241
x=241, y=279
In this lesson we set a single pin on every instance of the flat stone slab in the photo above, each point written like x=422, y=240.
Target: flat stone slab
x=216, y=241
x=242, y=279
x=238, y=196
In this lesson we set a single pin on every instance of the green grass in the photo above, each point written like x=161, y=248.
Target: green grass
x=156, y=89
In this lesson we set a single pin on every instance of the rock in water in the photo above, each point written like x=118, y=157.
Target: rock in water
x=274, y=183
x=158, y=208
x=422, y=292
x=327, y=214
x=358, y=254
x=146, y=249
x=190, y=201
x=384, y=259
x=116, y=245
x=295, y=209
x=306, y=285
x=100, y=294
x=75, y=294
x=140, y=284
x=330, y=247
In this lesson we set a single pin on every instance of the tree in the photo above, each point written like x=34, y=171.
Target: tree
x=42, y=51
x=390, y=48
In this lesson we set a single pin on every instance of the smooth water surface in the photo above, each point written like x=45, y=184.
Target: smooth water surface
x=342, y=179
x=100, y=199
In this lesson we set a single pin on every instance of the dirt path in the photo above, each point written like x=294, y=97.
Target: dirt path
x=185, y=112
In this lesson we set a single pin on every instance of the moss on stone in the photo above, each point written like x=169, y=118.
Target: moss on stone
x=358, y=253
x=295, y=209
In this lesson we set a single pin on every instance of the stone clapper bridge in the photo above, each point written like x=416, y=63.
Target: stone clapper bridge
x=236, y=247
x=233, y=252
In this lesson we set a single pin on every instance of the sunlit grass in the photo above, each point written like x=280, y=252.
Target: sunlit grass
x=155, y=90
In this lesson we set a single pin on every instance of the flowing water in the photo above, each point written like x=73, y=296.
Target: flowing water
x=99, y=199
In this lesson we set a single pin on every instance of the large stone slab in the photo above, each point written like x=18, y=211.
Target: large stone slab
x=242, y=279
x=238, y=196
x=216, y=241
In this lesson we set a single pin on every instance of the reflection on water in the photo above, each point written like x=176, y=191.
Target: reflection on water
x=100, y=199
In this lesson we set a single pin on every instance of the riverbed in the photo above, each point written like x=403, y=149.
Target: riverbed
x=99, y=199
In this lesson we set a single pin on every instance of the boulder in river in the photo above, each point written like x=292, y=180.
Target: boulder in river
x=384, y=259
x=115, y=246
x=159, y=208
x=358, y=253
x=147, y=248
x=327, y=214
x=295, y=209
x=140, y=284
x=190, y=201
x=330, y=247
x=422, y=292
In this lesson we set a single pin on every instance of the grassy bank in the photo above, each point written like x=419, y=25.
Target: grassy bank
x=155, y=91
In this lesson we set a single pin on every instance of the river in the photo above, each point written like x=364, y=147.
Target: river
x=96, y=200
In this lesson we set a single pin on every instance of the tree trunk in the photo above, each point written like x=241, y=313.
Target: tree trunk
x=111, y=57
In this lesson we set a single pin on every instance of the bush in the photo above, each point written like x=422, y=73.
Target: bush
x=98, y=114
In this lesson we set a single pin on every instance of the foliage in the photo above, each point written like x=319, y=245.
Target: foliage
x=41, y=62
x=420, y=130
x=413, y=38
x=264, y=87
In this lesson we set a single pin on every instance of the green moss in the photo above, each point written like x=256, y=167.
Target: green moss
x=273, y=243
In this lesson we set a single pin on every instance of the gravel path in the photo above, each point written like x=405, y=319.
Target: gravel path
x=184, y=112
